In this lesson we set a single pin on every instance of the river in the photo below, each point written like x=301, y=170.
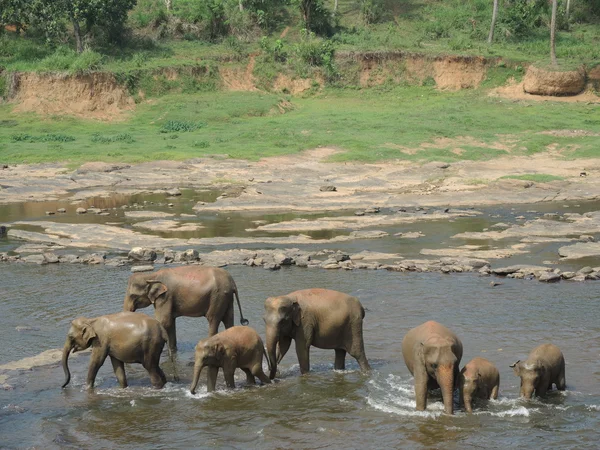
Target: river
x=324, y=409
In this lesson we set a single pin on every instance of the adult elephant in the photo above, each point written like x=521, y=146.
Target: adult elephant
x=432, y=354
x=190, y=291
x=319, y=317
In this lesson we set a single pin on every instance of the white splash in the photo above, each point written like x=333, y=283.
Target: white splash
x=132, y=402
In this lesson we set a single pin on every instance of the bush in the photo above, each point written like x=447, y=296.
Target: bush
x=49, y=137
x=60, y=61
x=123, y=137
x=179, y=126
x=87, y=61
x=314, y=51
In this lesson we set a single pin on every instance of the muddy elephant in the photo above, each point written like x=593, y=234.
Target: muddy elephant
x=478, y=379
x=126, y=337
x=432, y=354
x=319, y=317
x=544, y=367
x=190, y=291
x=235, y=347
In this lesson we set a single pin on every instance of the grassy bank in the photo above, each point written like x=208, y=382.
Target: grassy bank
x=399, y=122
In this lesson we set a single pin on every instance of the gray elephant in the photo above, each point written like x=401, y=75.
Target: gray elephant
x=319, y=317
x=478, y=379
x=544, y=367
x=189, y=291
x=432, y=354
x=125, y=337
x=235, y=347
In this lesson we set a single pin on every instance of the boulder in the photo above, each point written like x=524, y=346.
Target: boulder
x=61, y=210
x=93, y=259
x=189, y=255
x=173, y=192
x=118, y=261
x=549, y=277
x=272, y=266
x=142, y=268
x=35, y=259
x=546, y=81
x=81, y=210
x=50, y=258
x=283, y=259
x=328, y=188
x=142, y=254
x=70, y=259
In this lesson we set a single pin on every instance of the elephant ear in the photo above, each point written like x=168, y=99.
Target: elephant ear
x=516, y=367
x=88, y=333
x=219, y=352
x=155, y=290
x=296, y=313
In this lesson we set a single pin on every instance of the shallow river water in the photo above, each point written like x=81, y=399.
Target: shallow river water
x=324, y=409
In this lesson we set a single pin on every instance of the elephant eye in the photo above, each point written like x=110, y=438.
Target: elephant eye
x=434, y=366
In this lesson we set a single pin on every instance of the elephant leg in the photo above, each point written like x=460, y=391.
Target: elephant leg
x=357, y=348
x=541, y=388
x=211, y=380
x=169, y=324
x=561, y=384
x=229, y=379
x=494, y=394
x=302, y=351
x=213, y=326
x=340, y=359
x=157, y=377
x=228, y=317
x=249, y=377
x=119, y=368
x=96, y=360
x=257, y=370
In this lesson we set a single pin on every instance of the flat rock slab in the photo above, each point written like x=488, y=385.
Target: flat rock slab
x=521, y=268
x=359, y=222
x=496, y=253
x=147, y=214
x=573, y=225
x=580, y=250
x=167, y=225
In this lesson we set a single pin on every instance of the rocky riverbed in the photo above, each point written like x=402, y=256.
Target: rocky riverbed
x=393, y=216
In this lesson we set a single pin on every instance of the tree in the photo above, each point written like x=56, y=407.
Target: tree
x=553, y=34
x=14, y=12
x=85, y=14
x=169, y=4
x=493, y=25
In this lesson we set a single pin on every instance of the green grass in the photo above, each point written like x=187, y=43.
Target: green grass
x=536, y=177
x=369, y=125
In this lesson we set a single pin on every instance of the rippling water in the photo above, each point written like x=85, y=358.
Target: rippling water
x=325, y=409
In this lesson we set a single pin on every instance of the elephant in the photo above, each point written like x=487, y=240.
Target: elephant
x=319, y=317
x=478, y=379
x=190, y=291
x=544, y=366
x=126, y=337
x=432, y=354
x=235, y=347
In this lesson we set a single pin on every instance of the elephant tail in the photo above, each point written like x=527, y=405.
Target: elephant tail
x=165, y=336
x=237, y=297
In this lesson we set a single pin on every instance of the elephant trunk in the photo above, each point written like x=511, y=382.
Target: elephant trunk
x=527, y=391
x=468, y=403
x=272, y=340
x=197, y=370
x=445, y=379
x=65, y=360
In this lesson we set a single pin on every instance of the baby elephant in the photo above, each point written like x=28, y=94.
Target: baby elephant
x=545, y=365
x=126, y=337
x=235, y=347
x=478, y=379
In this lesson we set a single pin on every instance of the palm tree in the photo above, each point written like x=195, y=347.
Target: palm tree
x=553, y=34
x=494, y=16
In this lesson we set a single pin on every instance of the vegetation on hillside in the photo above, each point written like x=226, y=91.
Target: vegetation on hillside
x=127, y=35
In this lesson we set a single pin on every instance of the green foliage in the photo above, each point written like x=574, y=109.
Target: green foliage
x=174, y=126
x=371, y=11
x=314, y=51
x=521, y=17
x=104, y=139
x=315, y=16
x=3, y=88
x=48, y=137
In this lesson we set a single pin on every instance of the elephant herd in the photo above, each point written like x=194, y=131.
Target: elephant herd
x=321, y=318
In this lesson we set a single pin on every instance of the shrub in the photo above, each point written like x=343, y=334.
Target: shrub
x=123, y=137
x=180, y=126
x=49, y=137
x=87, y=61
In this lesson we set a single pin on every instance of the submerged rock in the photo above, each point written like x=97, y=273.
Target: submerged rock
x=142, y=254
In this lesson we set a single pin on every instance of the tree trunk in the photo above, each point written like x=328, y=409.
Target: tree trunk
x=241, y=6
x=169, y=4
x=77, y=33
x=335, y=5
x=553, y=34
x=568, y=9
x=493, y=25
